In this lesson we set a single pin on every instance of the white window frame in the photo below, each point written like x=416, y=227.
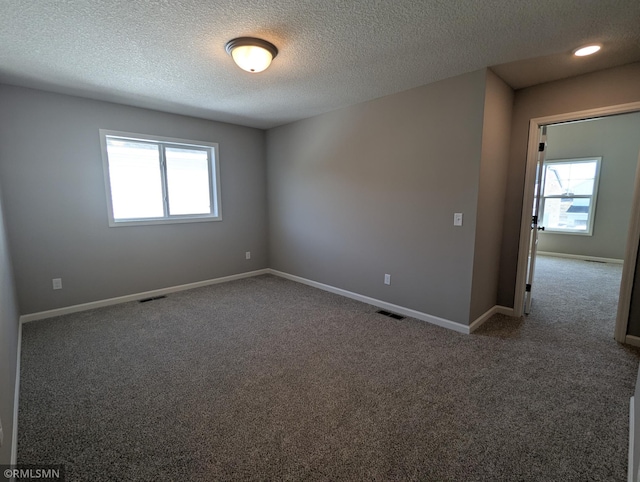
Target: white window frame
x=214, y=179
x=594, y=196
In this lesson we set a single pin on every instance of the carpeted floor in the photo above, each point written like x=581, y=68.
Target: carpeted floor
x=266, y=379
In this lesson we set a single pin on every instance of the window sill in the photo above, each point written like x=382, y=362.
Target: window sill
x=570, y=233
x=147, y=222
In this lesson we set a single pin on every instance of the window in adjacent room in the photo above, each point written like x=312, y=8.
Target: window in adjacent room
x=154, y=180
x=569, y=195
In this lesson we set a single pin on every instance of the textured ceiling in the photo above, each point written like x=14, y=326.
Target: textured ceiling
x=169, y=54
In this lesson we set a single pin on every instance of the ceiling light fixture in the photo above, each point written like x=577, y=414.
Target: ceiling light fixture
x=251, y=54
x=587, y=50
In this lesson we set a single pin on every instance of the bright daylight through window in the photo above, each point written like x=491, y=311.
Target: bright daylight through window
x=159, y=180
x=569, y=195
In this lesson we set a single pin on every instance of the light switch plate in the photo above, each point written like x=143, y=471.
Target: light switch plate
x=457, y=219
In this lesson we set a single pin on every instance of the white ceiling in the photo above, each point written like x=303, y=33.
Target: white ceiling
x=169, y=54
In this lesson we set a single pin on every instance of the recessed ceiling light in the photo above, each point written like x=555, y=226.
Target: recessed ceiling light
x=587, y=50
x=251, y=54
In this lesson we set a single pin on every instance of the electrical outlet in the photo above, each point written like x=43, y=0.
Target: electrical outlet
x=387, y=279
x=457, y=219
x=247, y=255
x=57, y=283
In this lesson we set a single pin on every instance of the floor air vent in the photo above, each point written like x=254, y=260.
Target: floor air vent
x=390, y=315
x=145, y=300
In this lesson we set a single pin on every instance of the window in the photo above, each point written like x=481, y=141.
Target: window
x=569, y=195
x=153, y=180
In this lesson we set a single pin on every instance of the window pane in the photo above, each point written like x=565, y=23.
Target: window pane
x=571, y=214
x=188, y=181
x=569, y=178
x=136, y=181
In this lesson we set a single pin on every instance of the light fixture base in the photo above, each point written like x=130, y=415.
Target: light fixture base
x=252, y=41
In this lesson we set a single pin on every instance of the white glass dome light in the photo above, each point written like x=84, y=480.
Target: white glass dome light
x=587, y=50
x=251, y=54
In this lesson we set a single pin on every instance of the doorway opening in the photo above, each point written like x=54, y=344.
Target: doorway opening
x=584, y=228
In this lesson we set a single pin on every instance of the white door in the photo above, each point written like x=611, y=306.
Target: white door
x=535, y=218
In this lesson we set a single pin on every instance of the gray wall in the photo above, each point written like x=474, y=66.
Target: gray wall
x=493, y=183
x=617, y=140
x=8, y=341
x=372, y=188
x=599, y=89
x=51, y=170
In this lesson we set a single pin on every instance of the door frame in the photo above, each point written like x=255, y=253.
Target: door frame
x=629, y=266
x=633, y=237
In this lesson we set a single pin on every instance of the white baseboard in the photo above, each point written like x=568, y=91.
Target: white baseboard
x=630, y=468
x=478, y=322
x=435, y=320
x=632, y=340
x=452, y=325
x=136, y=296
x=504, y=310
x=582, y=257
x=16, y=400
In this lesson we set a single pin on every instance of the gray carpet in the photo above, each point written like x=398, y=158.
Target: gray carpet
x=266, y=379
